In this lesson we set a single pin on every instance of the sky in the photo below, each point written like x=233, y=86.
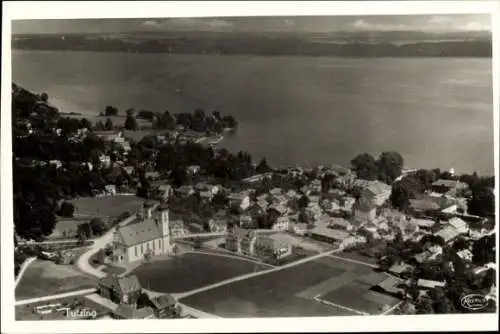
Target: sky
x=428, y=23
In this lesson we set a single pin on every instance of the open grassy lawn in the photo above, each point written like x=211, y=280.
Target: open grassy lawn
x=106, y=206
x=291, y=292
x=191, y=271
x=276, y=294
x=43, y=278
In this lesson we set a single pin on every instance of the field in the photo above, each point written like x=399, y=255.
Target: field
x=28, y=312
x=43, y=278
x=191, y=271
x=106, y=206
x=308, y=289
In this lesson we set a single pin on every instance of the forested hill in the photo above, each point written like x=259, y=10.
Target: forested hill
x=260, y=44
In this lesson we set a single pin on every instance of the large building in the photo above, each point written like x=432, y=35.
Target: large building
x=147, y=235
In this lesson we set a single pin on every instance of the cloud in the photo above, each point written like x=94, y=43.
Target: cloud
x=289, y=23
x=365, y=25
x=218, y=23
x=151, y=24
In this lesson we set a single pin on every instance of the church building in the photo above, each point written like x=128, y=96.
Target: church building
x=147, y=235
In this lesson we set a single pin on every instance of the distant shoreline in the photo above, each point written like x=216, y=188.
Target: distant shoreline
x=332, y=56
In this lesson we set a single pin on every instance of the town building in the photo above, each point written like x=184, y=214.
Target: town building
x=164, y=306
x=241, y=200
x=148, y=235
x=166, y=191
x=391, y=286
x=402, y=270
x=451, y=187
x=364, y=211
x=300, y=229
x=185, y=190
x=377, y=193
x=323, y=233
x=282, y=224
x=461, y=226
x=340, y=224
x=110, y=190
x=218, y=225
x=448, y=233
x=120, y=290
x=430, y=284
x=347, y=202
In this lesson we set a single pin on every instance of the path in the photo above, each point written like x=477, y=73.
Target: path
x=230, y=256
x=392, y=308
x=355, y=261
x=51, y=297
x=250, y=275
x=187, y=310
x=24, y=266
x=339, y=306
x=48, y=242
x=83, y=261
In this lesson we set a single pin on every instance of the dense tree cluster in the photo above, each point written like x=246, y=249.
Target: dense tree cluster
x=386, y=168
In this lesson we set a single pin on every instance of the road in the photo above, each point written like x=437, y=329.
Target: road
x=48, y=242
x=24, y=266
x=51, y=297
x=230, y=256
x=250, y=275
x=186, y=310
x=83, y=261
x=374, y=266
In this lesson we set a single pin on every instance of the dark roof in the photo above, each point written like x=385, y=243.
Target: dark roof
x=129, y=283
x=139, y=232
x=424, y=205
x=163, y=301
x=125, y=284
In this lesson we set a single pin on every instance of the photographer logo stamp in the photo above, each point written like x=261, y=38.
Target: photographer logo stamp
x=474, y=302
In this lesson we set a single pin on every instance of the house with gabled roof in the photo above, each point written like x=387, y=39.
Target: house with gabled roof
x=163, y=306
x=120, y=290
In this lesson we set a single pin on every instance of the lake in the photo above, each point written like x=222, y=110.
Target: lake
x=437, y=112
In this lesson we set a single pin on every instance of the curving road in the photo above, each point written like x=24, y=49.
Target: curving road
x=83, y=261
x=24, y=266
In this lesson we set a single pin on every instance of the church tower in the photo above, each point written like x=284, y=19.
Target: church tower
x=165, y=229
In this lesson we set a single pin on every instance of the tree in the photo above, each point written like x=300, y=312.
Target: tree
x=365, y=167
x=403, y=191
x=131, y=123
x=67, y=209
x=84, y=231
x=85, y=124
x=108, y=126
x=482, y=202
x=101, y=256
x=263, y=167
x=489, y=279
x=424, y=306
x=97, y=226
x=130, y=112
x=460, y=244
x=110, y=111
x=44, y=97
x=303, y=201
x=389, y=166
